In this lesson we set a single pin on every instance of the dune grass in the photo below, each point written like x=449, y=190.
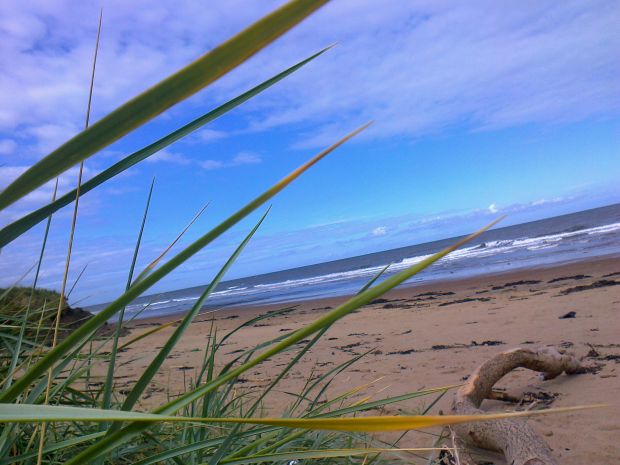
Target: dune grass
x=212, y=421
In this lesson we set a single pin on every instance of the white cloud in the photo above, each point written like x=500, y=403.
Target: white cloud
x=242, y=158
x=7, y=146
x=41, y=196
x=493, y=208
x=50, y=136
x=211, y=164
x=9, y=173
x=415, y=67
x=379, y=231
x=209, y=135
x=246, y=158
x=171, y=157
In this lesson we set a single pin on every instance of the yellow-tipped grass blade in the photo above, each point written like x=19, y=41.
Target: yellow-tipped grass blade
x=154, y=263
x=30, y=413
x=168, y=92
x=143, y=284
x=374, y=424
x=149, y=332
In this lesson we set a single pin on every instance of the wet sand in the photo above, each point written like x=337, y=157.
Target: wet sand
x=436, y=335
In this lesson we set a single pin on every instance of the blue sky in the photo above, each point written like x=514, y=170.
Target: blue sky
x=480, y=108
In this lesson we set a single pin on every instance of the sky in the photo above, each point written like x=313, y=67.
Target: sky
x=480, y=108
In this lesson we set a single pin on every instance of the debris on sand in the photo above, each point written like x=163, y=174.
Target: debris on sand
x=568, y=278
x=594, y=285
x=516, y=283
x=461, y=301
x=568, y=315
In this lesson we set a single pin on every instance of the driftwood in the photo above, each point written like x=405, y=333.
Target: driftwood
x=514, y=438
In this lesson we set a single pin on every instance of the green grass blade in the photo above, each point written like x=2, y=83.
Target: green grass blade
x=20, y=226
x=154, y=263
x=52, y=447
x=154, y=366
x=77, y=280
x=32, y=413
x=198, y=446
x=134, y=291
x=374, y=278
x=326, y=320
x=22, y=333
x=109, y=442
x=295, y=455
x=109, y=381
x=61, y=300
x=283, y=373
x=303, y=395
x=160, y=97
x=376, y=404
x=219, y=453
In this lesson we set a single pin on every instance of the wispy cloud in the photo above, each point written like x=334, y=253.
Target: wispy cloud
x=210, y=135
x=211, y=164
x=7, y=146
x=379, y=231
x=169, y=157
x=42, y=195
x=415, y=67
x=242, y=158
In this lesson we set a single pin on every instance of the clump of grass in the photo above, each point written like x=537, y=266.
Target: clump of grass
x=211, y=422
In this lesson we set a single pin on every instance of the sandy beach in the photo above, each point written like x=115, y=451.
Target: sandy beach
x=436, y=335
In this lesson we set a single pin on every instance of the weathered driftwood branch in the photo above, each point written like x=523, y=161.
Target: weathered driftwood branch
x=519, y=443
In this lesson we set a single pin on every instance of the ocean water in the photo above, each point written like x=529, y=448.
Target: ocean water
x=562, y=239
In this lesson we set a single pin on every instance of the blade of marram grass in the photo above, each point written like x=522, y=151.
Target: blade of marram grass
x=295, y=455
x=110, y=442
x=15, y=359
x=357, y=407
x=176, y=336
x=304, y=394
x=109, y=382
x=198, y=446
x=390, y=400
x=16, y=283
x=77, y=280
x=240, y=452
x=160, y=97
x=52, y=448
x=219, y=453
x=148, y=333
x=154, y=263
x=374, y=278
x=61, y=300
x=134, y=291
x=282, y=373
x=32, y=413
x=18, y=227
x=263, y=431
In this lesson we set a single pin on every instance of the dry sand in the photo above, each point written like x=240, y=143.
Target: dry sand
x=436, y=335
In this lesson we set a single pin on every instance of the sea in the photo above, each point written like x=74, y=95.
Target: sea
x=562, y=239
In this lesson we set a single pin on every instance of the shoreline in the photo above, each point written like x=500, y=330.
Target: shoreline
x=426, y=336
x=541, y=273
